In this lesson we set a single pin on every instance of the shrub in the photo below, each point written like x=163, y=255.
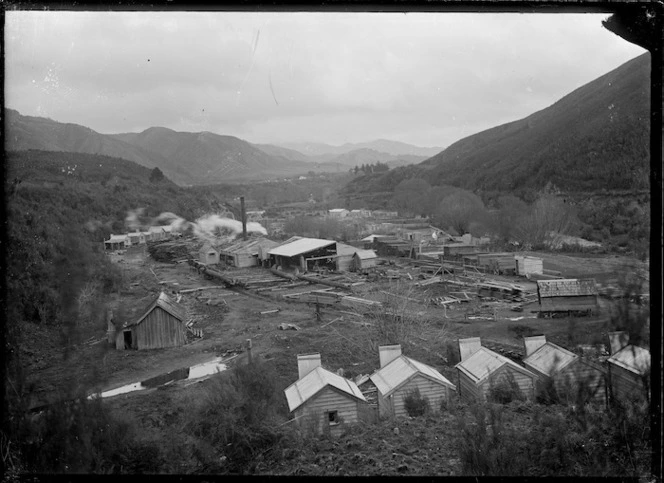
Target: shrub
x=504, y=390
x=416, y=404
x=239, y=416
x=520, y=331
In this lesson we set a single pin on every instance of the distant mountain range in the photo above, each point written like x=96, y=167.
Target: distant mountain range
x=191, y=158
x=394, y=148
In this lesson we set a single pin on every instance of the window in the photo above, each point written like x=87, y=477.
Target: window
x=333, y=418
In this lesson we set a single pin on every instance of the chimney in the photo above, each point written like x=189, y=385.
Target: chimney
x=307, y=363
x=388, y=353
x=244, y=218
x=467, y=347
x=617, y=340
x=531, y=344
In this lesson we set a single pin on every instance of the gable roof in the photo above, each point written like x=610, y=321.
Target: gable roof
x=549, y=358
x=393, y=375
x=165, y=303
x=315, y=381
x=484, y=362
x=566, y=287
x=365, y=254
x=303, y=245
x=116, y=239
x=633, y=358
x=248, y=246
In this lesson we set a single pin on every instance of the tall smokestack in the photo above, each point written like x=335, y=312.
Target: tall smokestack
x=244, y=218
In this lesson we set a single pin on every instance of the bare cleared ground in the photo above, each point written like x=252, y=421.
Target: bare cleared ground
x=344, y=338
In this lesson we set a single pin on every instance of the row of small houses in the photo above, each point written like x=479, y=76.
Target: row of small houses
x=322, y=400
x=154, y=233
x=303, y=254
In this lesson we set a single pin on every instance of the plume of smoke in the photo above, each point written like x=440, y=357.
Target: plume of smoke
x=208, y=227
x=133, y=219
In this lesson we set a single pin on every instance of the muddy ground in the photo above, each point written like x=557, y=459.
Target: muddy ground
x=347, y=339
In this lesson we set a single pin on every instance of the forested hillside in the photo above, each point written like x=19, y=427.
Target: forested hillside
x=60, y=208
x=595, y=138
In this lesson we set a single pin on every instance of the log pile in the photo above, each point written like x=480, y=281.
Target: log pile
x=168, y=251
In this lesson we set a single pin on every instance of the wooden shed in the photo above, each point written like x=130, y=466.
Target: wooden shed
x=480, y=369
x=321, y=400
x=246, y=253
x=399, y=375
x=161, y=325
x=567, y=296
x=364, y=260
x=208, y=254
x=499, y=263
x=136, y=238
x=629, y=369
x=305, y=254
x=117, y=242
x=525, y=265
x=574, y=378
x=344, y=258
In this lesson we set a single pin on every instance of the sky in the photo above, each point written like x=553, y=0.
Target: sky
x=427, y=79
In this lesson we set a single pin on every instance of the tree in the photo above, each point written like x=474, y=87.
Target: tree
x=458, y=210
x=156, y=175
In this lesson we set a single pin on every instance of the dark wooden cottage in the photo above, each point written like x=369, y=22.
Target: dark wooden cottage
x=161, y=325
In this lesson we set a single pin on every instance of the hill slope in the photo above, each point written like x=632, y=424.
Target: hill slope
x=595, y=137
x=28, y=132
x=186, y=158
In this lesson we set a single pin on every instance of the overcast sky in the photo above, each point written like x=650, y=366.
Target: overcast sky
x=427, y=79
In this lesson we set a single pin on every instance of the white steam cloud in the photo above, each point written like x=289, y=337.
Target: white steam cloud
x=207, y=227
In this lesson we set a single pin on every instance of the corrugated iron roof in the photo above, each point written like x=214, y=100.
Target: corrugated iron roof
x=389, y=378
x=633, y=358
x=301, y=246
x=248, y=246
x=550, y=358
x=165, y=303
x=365, y=254
x=315, y=381
x=117, y=238
x=566, y=287
x=485, y=362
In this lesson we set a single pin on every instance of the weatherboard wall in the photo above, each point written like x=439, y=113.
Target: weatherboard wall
x=313, y=414
x=394, y=404
x=626, y=385
x=569, y=380
x=157, y=330
x=470, y=391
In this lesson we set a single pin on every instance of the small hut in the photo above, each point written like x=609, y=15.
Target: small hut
x=364, y=260
x=399, y=376
x=321, y=400
x=481, y=369
x=208, y=254
x=629, y=369
x=161, y=325
x=117, y=242
x=574, y=378
x=525, y=265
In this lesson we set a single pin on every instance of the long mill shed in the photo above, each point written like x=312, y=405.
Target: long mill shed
x=399, y=376
x=574, y=378
x=629, y=369
x=481, y=369
x=572, y=296
x=161, y=325
x=322, y=400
